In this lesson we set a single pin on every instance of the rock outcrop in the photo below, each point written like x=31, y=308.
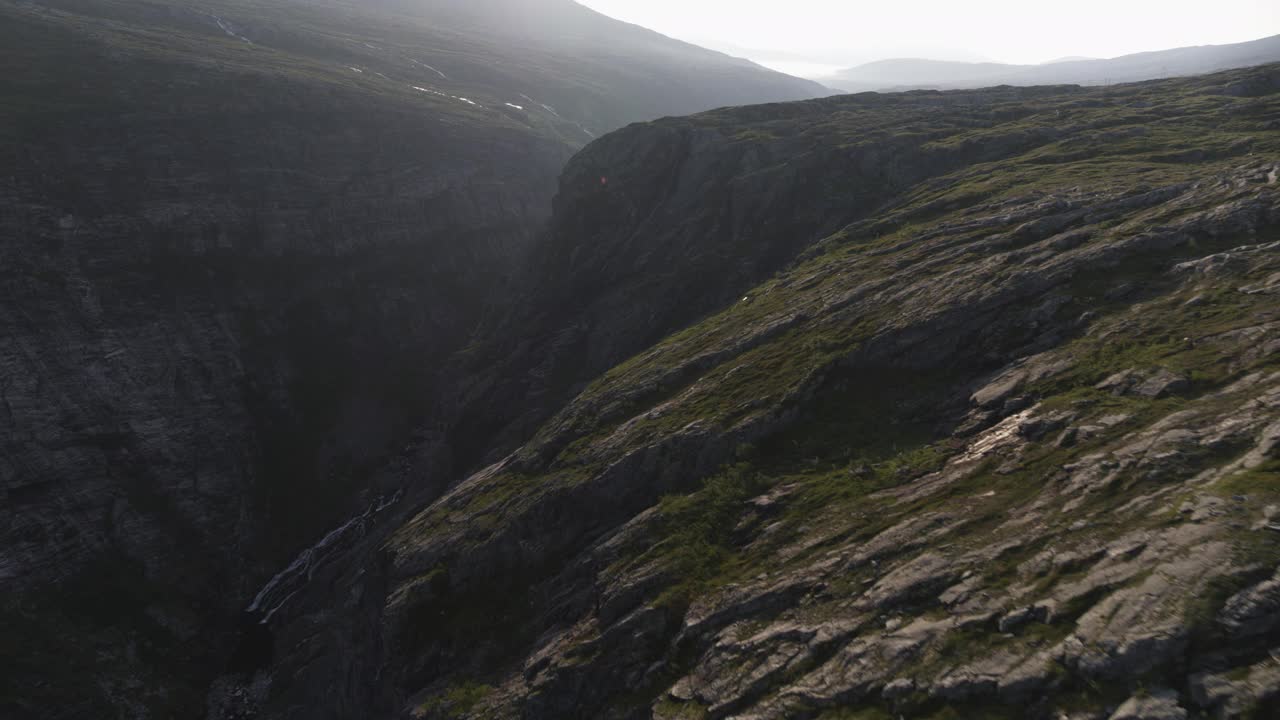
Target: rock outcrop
x=873, y=406
x=1002, y=443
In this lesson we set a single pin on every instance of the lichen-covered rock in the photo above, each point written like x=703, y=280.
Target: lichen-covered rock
x=1092, y=470
x=1160, y=704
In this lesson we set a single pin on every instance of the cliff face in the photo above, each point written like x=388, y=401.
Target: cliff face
x=659, y=225
x=226, y=293
x=981, y=422
x=237, y=243
x=905, y=404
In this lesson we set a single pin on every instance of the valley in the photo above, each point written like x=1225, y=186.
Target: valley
x=498, y=359
x=239, y=242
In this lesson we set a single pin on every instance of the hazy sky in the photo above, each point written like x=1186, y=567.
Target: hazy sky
x=1019, y=31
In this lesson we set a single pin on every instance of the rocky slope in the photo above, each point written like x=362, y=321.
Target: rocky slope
x=201, y=261
x=914, y=405
x=237, y=242
x=984, y=426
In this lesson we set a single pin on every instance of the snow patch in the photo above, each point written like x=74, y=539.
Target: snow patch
x=446, y=95
x=513, y=105
x=357, y=70
x=422, y=64
x=230, y=29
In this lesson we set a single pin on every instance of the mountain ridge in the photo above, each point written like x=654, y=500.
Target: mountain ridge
x=915, y=472
x=909, y=73
x=317, y=403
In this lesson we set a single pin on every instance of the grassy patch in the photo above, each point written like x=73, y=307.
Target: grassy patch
x=1261, y=484
x=668, y=709
x=697, y=529
x=457, y=701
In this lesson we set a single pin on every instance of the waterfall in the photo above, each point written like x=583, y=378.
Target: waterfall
x=288, y=582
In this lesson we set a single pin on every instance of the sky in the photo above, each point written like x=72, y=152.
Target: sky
x=834, y=33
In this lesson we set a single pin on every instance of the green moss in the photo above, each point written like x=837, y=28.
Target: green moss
x=859, y=432
x=668, y=709
x=1261, y=484
x=696, y=532
x=456, y=701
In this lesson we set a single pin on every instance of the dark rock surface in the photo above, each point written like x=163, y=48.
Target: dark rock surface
x=237, y=244
x=889, y=405
x=224, y=306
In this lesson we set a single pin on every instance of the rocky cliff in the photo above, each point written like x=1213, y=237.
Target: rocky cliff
x=920, y=405
x=225, y=289
x=979, y=420
x=237, y=243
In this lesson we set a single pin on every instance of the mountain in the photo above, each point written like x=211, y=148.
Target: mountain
x=604, y=72
x=912, y=73
x=820, y=62
x=920, y=405
x=342, y=380
x=238, y=243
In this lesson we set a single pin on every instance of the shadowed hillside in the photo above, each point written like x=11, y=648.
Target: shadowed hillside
x=237, y=242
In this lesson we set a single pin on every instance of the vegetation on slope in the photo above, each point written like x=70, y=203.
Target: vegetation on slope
x=238, y=239
x=969, y=424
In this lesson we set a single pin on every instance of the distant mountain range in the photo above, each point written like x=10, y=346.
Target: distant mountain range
x=906, y=74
